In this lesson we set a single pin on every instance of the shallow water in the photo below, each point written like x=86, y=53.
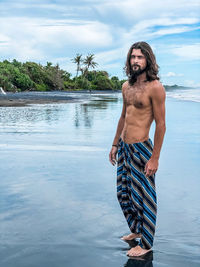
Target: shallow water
x=188, y=94
x=58, y=204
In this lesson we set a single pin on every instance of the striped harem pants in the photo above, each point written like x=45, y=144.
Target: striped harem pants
x=136, y=192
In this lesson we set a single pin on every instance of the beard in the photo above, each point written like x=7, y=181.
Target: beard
x=135, y=73
x=138, y=71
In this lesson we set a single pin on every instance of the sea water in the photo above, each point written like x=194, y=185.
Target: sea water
x=58, y=204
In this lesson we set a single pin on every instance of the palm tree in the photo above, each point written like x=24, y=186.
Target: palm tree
x=49, y=64
x=77, y=60
x=83, y=71
x=89, y=62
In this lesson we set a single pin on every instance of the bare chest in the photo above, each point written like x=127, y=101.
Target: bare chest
x=137, y=96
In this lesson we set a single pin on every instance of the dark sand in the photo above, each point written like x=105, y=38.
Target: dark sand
x=58, y=203
x=27, y=98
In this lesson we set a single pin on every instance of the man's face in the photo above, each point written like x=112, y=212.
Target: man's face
x=138, y=61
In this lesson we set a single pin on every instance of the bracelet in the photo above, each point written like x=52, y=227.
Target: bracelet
x=115, y=145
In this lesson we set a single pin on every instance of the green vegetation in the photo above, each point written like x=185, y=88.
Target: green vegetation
x=17, y=76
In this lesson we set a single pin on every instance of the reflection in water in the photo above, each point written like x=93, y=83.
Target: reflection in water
x=82, y=113
x=76, y=117
x=28, y=114
x=143, y=261
x=51, y=113
x=86, y=111
x=54, y=183
x=87, y=115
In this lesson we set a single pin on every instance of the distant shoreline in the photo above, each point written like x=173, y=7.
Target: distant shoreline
x=175, y=87
x=22, y=99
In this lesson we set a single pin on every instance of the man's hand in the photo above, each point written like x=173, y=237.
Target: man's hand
x=151, y=167
x=112, y=155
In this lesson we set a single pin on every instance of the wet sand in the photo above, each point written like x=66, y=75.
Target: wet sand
x=58, y=203
x=28, y=98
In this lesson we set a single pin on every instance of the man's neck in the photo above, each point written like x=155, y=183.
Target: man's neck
x=141, y=78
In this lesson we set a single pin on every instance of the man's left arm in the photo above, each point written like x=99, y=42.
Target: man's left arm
x=158, y=104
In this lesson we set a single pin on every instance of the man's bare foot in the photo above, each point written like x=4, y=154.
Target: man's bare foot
x=130, y=237
x=137, y=251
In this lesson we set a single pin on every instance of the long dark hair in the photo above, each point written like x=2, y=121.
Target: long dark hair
x=151, y=68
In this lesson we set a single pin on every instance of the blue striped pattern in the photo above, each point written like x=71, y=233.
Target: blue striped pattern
x=136, y=192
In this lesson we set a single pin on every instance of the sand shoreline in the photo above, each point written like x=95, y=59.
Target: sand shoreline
x=23, y=102
x=28, y=98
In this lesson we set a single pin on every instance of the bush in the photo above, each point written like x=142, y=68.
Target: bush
x=69, y=85
x=116, y=84
x=15, y=76
x=82, y=83
x=41, y=87
x=5, y=83
x=103, y=83
x=22, y=81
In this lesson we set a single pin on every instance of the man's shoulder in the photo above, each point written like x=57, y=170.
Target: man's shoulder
x=156, y=86
x=157, y=89
x=124, y=86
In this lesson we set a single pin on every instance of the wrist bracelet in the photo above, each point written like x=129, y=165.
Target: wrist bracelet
x=115, y=145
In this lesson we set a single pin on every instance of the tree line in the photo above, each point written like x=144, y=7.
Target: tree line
x=31, y=76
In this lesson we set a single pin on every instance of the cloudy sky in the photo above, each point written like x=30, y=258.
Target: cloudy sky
x=57, y=30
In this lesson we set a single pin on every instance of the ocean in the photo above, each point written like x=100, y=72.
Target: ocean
x=58, y=204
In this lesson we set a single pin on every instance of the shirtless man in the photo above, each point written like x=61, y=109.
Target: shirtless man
x=137, y=161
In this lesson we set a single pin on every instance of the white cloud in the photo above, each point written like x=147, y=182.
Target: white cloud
x=187, y=52
x=172, y=74
x=4, y=38
x=39, y=36
x=64, y=63
x=174, y=30
x=56, y=30
x=147, y=29
x=142, y=9
x=34, y=38
x=142, y=31
x=111, y=55
x=88, y=34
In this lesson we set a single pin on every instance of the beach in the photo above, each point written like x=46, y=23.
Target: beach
x=58, y=204
x=21, y=99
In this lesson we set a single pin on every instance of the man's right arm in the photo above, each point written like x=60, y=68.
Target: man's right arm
x=120, y=126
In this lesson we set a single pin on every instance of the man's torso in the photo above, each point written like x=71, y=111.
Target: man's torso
x=139, y=112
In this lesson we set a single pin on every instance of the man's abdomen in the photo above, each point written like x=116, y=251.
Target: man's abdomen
x=132, y=134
